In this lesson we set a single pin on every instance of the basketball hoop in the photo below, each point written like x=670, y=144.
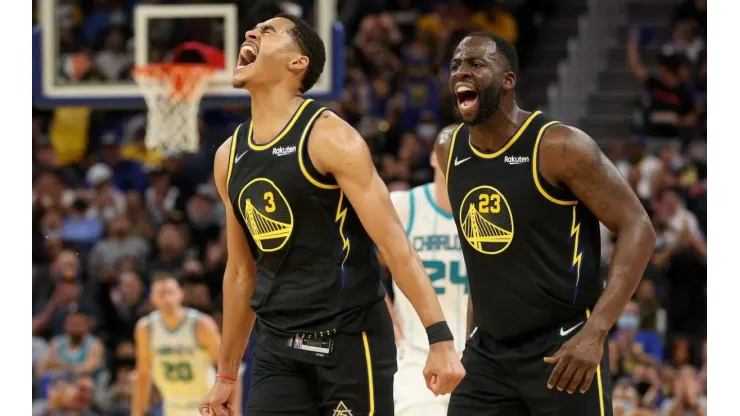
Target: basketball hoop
x=172, y=92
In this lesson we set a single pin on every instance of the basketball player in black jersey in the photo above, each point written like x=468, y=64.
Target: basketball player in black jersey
x=528, y=194
x=305, y=209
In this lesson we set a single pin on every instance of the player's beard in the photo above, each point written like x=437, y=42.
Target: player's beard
x=488, y=101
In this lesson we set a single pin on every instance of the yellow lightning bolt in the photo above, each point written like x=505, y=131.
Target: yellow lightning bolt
x=575, y=229
x=340, y=217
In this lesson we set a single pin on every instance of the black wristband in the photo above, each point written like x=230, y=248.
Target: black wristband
x=439, y=332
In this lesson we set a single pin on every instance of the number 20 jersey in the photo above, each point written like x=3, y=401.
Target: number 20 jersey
x=433, y=234
x=181, y=369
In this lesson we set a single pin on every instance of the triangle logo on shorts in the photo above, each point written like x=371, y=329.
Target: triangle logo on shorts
x=342, y=410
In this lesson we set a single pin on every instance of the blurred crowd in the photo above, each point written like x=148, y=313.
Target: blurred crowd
x=109, y=213
x=658, y=350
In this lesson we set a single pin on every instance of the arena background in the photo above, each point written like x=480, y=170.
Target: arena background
x=108, y=213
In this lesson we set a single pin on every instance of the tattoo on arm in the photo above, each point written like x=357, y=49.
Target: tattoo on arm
x=590, y=173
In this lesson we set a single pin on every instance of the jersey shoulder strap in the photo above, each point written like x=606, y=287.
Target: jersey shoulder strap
x=236, y=138
x=461, y=131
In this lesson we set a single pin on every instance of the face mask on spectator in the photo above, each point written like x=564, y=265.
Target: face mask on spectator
x=426, y=130
x=626, y=405
x=628, y=321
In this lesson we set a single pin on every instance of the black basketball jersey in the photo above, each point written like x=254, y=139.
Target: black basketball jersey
x=316, y=265
x=532, y=250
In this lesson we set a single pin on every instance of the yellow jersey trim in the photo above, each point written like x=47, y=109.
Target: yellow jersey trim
x=302, y=165
x=535, y=174
x=339, y=218
x=451, y=150
x=231, y=155
x=369, y=362
x=282, y=134
x=508, y=144
x=598, y=379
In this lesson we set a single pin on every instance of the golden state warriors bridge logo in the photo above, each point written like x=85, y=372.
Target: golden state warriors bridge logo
x=486, y=220
x=266, y=213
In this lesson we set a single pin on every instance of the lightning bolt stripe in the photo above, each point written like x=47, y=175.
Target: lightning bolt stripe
x=575, y=231
x=339, y=218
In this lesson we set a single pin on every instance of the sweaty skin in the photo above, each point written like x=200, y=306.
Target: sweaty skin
x=568, y=158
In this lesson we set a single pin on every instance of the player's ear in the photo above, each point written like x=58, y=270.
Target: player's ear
x=509, y=81
x=299, y=63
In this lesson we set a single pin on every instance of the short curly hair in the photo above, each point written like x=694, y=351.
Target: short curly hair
x=310, y=44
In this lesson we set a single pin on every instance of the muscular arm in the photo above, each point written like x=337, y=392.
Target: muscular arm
x=238, y=317
x=143, y=379
x=209, y=338
x=338, y=149
x=442, y=148
x=206, y=332
x=570, y=157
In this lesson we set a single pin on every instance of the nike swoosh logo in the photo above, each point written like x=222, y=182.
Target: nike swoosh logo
x=460, y=162
x=236, y=159
x=563, y=332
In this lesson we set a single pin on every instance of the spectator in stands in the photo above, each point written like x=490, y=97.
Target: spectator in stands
x=160, y=196
x=122, y=303
x=106, y=201
x=68, y=398
x=81, y=230
x=497, y=20
x=141, y=224
x=77, y=351
x=127, y=175
x=688, y=399
x=686, y=41
x=695, y=10
x=137, y=151
x=636, y=345
x=117, y=397
x=114, y=60
x=119, y=244
x=50, y=313
x=45, y=158
x=203, y=212
x=625, y=399
x=669, y=107
x=171, y=245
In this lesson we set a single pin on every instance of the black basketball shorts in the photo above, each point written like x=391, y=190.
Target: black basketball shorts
x=511, y=379
x=355, y=379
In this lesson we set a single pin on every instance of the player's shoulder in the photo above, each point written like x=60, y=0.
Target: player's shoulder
x=565, y=141
x=334, y=129
x=444, y=137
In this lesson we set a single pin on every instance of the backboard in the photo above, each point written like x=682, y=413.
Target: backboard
x=59, y=71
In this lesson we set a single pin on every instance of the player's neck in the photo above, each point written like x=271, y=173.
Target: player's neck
x=492, y=134
x=271, y=111
x=172, y=319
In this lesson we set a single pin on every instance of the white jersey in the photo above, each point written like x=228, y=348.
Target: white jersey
x=434, y=236
x=181, y=369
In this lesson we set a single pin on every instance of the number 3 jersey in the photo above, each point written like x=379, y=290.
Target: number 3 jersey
x=182, y=370
x=433, y=234
x=317, y=272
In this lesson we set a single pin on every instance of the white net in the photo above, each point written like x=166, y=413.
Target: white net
x=172, y=93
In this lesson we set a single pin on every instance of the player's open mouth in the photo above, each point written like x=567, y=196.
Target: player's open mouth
x=466, y=95
x=247, y=56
